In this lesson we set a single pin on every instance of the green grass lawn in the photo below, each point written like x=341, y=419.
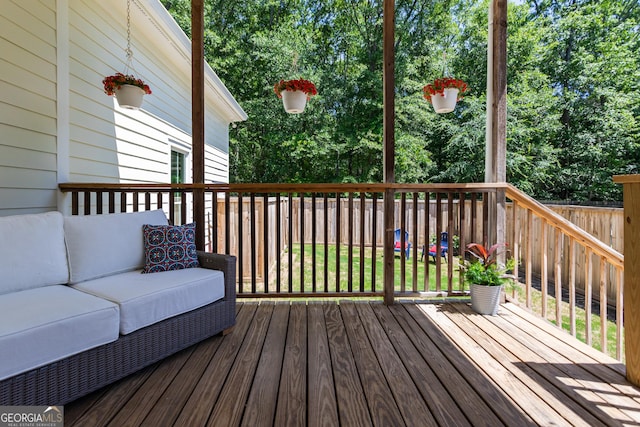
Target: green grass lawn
x=536, y=299
x=356, y=261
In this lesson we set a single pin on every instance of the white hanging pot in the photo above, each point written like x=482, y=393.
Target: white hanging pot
x=294, y=101
x=129, y=96
x=445, y=103
x=485, y=299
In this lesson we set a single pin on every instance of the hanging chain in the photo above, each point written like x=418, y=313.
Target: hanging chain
x=128, y=51
x=445, y=68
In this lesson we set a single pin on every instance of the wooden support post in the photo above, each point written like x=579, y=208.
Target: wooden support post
x=631, y=292
x=388, y=35
x=496, y=134
x=197, y=116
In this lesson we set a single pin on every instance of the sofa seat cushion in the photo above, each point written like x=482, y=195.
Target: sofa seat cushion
x=102, y=245
x=41, y=326
x=32, y=252
x=145, y=299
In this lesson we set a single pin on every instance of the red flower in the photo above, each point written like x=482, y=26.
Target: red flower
x=439, y=85
x=111, y=83
x=301, y=84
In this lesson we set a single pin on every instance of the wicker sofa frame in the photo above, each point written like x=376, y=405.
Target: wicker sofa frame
x=68, y=379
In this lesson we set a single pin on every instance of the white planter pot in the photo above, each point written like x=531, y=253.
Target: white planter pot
x=485, y=299
x=129, y=96
x=445, y=103
x=294, y=101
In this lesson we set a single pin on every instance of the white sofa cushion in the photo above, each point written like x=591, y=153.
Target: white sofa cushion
x=43, y=325
x=145, y=299
x=32, y=252
x=102, y=245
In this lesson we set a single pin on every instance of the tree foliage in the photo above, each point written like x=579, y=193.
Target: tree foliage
x=573, y=73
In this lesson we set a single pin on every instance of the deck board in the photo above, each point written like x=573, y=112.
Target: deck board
x=366, y=364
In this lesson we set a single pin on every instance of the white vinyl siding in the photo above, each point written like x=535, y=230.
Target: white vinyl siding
x=27, y=107
x=99, y=141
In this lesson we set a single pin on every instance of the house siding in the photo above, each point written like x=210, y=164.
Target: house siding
x=27, y=107
x=101, y=142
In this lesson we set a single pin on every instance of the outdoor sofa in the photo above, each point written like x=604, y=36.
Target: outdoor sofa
x=77, y=313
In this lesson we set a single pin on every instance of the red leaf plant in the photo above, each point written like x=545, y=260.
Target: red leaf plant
x=439, y=85
x=484, y=255
x=112, y=83
x=305, y=86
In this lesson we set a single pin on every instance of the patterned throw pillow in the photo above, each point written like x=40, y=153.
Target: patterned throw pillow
x=169, y=247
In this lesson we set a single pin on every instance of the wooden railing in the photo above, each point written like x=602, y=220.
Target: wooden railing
x=327, y=240
x=315, y=239
x=563, y=249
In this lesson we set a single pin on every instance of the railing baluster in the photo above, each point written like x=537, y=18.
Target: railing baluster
x=461, y=238
x=227, y=223
x=619, y=312
x=529, y=262
x=87, y=203
x=99, y=202
x=301, y=215
x=338, y=236
x=290, y=252
x=314, y=277
x=587, y=294
x=604, y=274
x=572, y=286
x=325, y=199
x=414, y=252
x=557, y=277
x=278, y=242
x=240, y=254
x=544, y=265
x=403, y=242
x=252, y=241
x=426, y=241
x=350, y=243
x=438, y=245
x=515, y=220
x=450, y=230
x=374, y=239
x=214, y=219
x=362, y=237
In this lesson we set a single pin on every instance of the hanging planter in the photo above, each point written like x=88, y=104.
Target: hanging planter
x=444, y=93
x=127, y=89
x=295, y=94
x=294, y=101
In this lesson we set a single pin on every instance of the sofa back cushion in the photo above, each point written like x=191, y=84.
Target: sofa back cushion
x=102, y=245
x=32, y=252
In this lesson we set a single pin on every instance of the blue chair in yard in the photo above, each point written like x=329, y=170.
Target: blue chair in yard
x=397, y=243
x=444, y=247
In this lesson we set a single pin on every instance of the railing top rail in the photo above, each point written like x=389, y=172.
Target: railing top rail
x=281, y=187
x=572, y=230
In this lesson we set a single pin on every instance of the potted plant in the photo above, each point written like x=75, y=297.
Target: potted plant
x=294, y=94
x=485, y=277
x=444, y=93
x=127, y=89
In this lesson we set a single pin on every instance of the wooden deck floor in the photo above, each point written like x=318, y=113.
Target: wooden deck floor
x=357, y=363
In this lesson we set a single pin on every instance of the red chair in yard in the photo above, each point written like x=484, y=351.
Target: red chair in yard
x=397, y=243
